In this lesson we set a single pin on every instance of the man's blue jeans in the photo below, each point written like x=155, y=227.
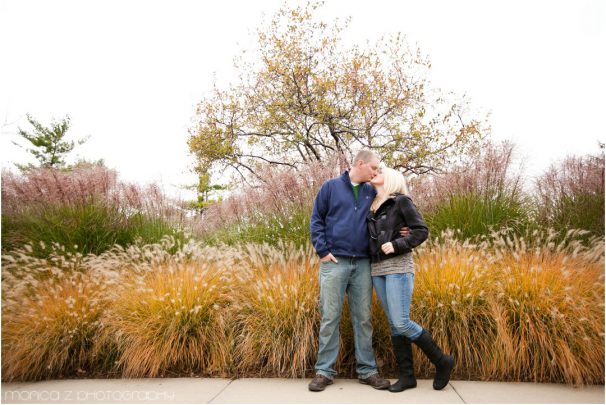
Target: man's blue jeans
x=351, y=276
x=395, y=292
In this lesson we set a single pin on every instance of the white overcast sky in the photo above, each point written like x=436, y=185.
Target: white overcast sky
x=129, y=73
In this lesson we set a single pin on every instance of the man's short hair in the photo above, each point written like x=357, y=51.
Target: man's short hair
x=364, y=155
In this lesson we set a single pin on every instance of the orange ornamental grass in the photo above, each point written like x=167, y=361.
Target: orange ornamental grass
x=507, y=308
x=48, y=330
x=277, y=317
x=515, y=311
x=550, y=313
x=172, y=318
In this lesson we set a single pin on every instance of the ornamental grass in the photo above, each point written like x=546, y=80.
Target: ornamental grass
x=171, y=319
x=49, y=330
x=277, y=316
x=515, y=309
x=507, y=308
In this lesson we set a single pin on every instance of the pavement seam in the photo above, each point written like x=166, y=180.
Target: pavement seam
x=455, y=390
x=220, y=392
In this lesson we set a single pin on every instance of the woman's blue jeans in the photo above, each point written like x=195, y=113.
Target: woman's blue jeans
x=395, y=292
x=351, y=276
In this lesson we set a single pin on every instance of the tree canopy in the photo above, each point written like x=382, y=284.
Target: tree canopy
x=49, y=147
x=304, y=96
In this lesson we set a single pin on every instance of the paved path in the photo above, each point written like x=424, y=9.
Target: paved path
x=277, y=390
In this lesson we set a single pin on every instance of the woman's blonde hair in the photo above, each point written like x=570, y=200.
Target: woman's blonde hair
x=394, y=182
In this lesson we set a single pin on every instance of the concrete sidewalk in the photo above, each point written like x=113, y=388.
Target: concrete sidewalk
x=277, y=390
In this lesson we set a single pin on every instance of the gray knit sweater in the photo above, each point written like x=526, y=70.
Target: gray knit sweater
x=398, y=264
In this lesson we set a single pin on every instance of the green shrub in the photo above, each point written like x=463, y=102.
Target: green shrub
x=84, y=228
x=267, y=229
x=473, y=215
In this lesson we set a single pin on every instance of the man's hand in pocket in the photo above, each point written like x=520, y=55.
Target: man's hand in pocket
x=329, y=257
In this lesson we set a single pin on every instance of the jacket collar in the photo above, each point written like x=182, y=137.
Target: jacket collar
x=345, y=177
x=388, y=202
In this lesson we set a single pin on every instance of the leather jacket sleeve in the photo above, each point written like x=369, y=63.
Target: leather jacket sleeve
x=414, y=220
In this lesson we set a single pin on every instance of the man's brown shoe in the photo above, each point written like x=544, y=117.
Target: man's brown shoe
x=319, y=383
x=375, y=381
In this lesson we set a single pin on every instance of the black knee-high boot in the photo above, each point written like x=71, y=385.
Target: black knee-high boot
x=403, y=351
x=443, y=362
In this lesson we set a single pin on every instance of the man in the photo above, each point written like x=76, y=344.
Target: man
x=340, y=237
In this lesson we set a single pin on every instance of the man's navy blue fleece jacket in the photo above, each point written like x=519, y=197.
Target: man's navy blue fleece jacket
x=338, y=220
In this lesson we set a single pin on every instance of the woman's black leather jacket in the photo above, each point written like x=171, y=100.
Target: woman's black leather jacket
x=384, y=226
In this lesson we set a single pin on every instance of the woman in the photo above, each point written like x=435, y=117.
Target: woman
x=392, y=270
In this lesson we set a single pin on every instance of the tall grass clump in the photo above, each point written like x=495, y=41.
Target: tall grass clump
x=49, y=328
x=169, y=310
x=475, y=198
x=85, y=209
x=570, y=195
x=516, y=308
x=277, y=316
x=170, y=319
